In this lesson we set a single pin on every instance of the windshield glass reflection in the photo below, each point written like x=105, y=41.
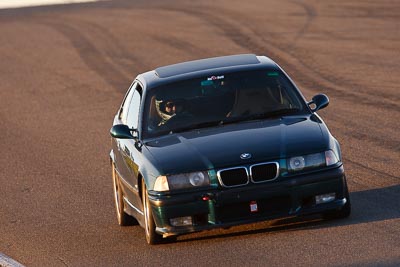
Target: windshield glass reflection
x=218, y=100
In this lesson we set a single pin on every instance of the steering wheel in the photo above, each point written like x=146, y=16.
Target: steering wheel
x=178, y=119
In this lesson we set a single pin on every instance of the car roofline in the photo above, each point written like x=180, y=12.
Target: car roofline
x=210, y=66
x=206, y=64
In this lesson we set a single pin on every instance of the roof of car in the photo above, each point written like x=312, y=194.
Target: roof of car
x=205, y=64
x=186, y=70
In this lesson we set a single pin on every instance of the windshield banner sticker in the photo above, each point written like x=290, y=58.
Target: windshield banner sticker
x=212, y=78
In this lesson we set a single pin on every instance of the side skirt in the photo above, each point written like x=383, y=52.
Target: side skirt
x=134, y=211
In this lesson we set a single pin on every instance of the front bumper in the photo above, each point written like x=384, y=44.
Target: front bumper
x=225, y=207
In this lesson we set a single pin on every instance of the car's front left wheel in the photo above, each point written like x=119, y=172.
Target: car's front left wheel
x=152, y=237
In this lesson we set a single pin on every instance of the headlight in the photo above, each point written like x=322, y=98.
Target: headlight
x=197, y=178
x=310, y=161
x=297, y=163
x=181, y=181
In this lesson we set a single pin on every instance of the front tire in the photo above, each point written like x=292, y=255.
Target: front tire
x=123, y=218
x=152, y=237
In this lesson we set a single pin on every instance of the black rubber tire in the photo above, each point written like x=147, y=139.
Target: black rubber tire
x=123, y=218
x=342, y=213
x=152, y=238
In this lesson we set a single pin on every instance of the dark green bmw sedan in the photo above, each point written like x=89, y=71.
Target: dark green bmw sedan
x=220, y=142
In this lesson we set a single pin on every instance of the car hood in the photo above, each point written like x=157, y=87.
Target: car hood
x=220, y=147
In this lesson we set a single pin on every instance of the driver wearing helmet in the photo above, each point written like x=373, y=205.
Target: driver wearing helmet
x=167, y=109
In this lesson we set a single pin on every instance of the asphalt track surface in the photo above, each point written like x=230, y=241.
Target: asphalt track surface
x=63, y=73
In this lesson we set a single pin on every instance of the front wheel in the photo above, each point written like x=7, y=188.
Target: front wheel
x=123, y=218
x=152, y=237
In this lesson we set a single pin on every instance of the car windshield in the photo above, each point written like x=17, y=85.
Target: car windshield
x=219, y=99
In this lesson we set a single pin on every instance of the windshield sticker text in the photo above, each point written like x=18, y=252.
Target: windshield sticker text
x=212, y=78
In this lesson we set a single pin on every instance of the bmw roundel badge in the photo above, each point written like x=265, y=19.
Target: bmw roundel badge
x=245, y=156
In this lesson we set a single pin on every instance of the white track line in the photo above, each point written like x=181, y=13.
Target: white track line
x=27, y=3
x=6, y=261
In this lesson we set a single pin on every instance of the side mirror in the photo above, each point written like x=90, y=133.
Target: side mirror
x=320, y=101
x=121, y=131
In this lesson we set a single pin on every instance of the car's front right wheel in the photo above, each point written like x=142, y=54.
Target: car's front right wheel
x=123, y=218
x=152, y=237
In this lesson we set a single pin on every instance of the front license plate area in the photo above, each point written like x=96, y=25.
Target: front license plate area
x=253, y=209
x=253, y=206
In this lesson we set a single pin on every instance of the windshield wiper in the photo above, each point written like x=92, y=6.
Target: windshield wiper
x=274, y=113
x=270, y=114
x=197, y=126
x=230, y=120
x=234, y=119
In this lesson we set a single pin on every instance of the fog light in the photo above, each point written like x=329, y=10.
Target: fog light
x=320, y=199
x=181, y=221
